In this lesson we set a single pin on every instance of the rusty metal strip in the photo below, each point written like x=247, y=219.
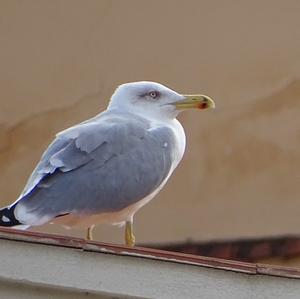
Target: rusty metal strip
x=148, y=253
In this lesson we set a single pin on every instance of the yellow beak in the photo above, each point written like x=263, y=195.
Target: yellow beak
x=198, y=101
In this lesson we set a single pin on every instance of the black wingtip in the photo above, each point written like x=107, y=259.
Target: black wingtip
x=7, y=217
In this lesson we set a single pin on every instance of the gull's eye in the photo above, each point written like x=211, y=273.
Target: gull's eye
x=153, y=94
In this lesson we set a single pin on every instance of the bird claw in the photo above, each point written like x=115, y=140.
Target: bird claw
x=89, y=235
x=129, y=236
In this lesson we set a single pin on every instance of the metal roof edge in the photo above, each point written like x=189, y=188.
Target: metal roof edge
x=148, y=253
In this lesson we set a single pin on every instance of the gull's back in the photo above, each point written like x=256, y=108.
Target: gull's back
x=100, y=166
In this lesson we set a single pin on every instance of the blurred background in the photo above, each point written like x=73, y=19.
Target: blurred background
x=239, y=180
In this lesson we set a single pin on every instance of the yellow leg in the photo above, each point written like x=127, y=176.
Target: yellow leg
x=89, y=234
x=129, y=236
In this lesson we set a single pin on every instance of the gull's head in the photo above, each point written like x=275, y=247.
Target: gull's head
x=155, y=100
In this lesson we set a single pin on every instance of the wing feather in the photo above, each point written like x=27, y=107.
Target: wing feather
x=102, y=166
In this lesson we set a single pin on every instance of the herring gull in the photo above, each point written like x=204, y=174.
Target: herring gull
x=106, y=168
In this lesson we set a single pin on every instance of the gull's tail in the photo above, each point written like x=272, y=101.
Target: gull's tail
x=8, y=219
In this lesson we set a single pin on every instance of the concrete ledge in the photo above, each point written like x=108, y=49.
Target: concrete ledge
x=43, y=263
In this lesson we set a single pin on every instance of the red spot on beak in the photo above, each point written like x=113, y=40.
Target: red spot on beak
x=203, y=105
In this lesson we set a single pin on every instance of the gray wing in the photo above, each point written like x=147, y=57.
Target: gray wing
x=102, y=166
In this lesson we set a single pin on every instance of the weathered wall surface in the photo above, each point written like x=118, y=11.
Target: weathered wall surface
x=61, y=60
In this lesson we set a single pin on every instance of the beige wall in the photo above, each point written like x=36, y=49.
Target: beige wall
x=61, y=60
